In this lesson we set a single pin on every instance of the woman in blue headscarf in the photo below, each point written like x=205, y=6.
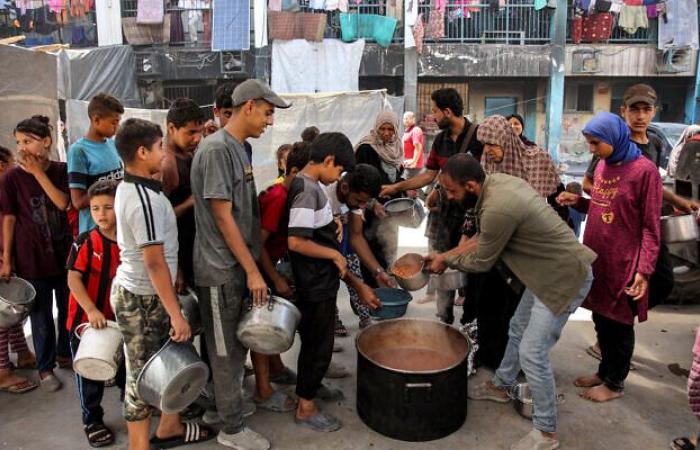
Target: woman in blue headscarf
x=623, y=228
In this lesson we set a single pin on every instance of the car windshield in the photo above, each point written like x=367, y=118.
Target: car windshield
x=673, y=131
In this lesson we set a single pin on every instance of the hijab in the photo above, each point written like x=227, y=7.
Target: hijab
x=389, y=152
x=610, y=128
x=530, y=163
x=519, y=118
x=689, y=132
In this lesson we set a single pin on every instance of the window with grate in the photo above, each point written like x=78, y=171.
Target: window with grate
x=424, y=114
x=201, y=92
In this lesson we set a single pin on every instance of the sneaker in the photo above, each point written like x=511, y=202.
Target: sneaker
x=535, y=441
x=246, y=439
x=211, y=416
x=336, y=370
x=50, y=383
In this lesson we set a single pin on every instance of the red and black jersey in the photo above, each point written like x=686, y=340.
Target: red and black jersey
x=96, y=258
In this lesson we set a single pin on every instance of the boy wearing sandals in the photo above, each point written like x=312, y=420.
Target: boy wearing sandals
x=92, y=265
x=143, y=297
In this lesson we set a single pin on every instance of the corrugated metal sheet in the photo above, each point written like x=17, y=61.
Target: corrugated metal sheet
x=624, y=61
x=484, y=60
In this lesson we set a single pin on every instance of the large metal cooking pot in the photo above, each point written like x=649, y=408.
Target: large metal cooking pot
x=16, y=301
x=679, y=228
x=412, y=379
x=406, y=212
x=172, y=379
x=189, y=305
x=410, y=263
x=269, y=328
x=451, y=280
x=99, y=352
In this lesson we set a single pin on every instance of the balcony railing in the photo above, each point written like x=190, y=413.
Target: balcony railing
x=189, y=24
x=619, y=36
x=41, y=26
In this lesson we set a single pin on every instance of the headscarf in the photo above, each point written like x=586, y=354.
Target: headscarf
x=390, y=152
x=532, y=164
x=519, y=118
x=610, y=128
x=689, y=132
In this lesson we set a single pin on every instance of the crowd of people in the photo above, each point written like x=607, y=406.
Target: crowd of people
x=139, y=216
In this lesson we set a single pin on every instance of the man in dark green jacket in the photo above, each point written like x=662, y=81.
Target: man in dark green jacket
x=518, y=227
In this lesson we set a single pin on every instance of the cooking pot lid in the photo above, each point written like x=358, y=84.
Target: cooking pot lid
x=399, y=205
x=184, y=388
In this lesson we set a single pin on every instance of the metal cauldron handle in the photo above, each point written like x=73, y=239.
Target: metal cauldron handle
x=250, y=304
x=80, y=328
x=408, y=387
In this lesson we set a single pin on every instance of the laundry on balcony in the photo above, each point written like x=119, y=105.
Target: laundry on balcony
x=435, y=28
x=231, y=28
x=286, y=26
x=632, y=18
x=592, y=29
x=147, y=34
x=370, y=26
x=150, y=11
x=678, y=24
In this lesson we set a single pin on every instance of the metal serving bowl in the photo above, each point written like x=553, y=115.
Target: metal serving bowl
x=413, y=282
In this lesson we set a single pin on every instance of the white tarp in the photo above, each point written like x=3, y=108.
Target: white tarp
x=301, y=66
x=350, y=113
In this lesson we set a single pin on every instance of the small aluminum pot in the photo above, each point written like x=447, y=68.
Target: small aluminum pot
x=189, y=305
x=679, y=228
x=405, y=211
x=269, y=329
x=450, y=280
x=16, y=301
x=522, y=399
x=172, y=379
x=99, y=351
x=413, y=282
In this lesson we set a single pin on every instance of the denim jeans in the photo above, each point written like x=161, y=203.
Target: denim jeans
x=534, y=330
x=43, y=326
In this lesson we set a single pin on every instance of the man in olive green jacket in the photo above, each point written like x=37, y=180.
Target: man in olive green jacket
x=517, y=226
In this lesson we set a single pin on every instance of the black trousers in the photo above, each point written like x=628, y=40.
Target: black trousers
x=661, y=281
x=90, y=392
x=316, y=330
x=616, y=347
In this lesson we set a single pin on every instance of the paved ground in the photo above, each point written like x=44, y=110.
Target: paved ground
x=653, y=411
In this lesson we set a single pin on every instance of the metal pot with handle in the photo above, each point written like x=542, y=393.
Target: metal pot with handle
x=679, y=228
x=405, y=211
x=99, y=352
x=269, y=328
x=16, y=301
x=172, y=379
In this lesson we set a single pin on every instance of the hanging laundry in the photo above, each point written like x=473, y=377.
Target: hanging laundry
x=259, y=23
x=288, y=25
x=192, y=16
x=370, y=26
x=634, y=2
x=603, y=5
x=317, y=4
x=177, y=31
x=678, y=24
x=552, y=4
x=632, y=18
x=150, y=11
x=418, y=33
x=394, y=8
x=597, y=27
x=55, y=6
x=109, y=23
x=577, y=29
x=231, y=28
x=436, y=22
x=540, y=4
x=616, y=6
x=331, y=5
x=652, y=11
x=274, y=5
x=290, y=5
x=343, y=5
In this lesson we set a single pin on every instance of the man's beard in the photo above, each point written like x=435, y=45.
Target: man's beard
x=444, y=123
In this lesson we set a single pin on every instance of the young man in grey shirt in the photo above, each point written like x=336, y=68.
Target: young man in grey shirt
x=227, y=245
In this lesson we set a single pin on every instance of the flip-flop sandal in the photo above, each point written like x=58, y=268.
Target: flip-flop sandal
x=482, y=392
x=287, y=376
x=592, y=351
x=20, y=387
x=322, y=422
x=676, y=369
x=682, y=443
x=98, y=435
x=340, y=329
x=194, y=434
x=278, y=402
x=330, y=395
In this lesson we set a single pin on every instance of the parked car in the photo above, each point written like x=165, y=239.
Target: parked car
x=668, y=133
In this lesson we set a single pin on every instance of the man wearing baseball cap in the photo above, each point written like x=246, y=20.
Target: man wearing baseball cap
x=638, y=109
x=227, y=246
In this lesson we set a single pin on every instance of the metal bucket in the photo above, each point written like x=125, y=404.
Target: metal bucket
x=172, y=379
x=451, y=280
x=407, y=212
x=269, y=329
x=679, y=228
x=522, y=399
x=16, y=301
x=99, y=352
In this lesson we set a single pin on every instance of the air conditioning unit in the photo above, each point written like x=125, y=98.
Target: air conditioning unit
x=232, y=62
x=147, y=64
x=585, y=61
x=673, y=60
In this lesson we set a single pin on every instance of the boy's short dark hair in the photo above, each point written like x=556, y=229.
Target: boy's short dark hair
x=310, y=133
x=575, y=188
x=448, y=98
x=298, y=157
x=364, y=179
x=103, y=105
x=102, y=187
x=336, y=145
x=282, y=149
x=222, y=97
x=463, y=167
x=183, y=111
x=5, y=154
x=135, y=133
